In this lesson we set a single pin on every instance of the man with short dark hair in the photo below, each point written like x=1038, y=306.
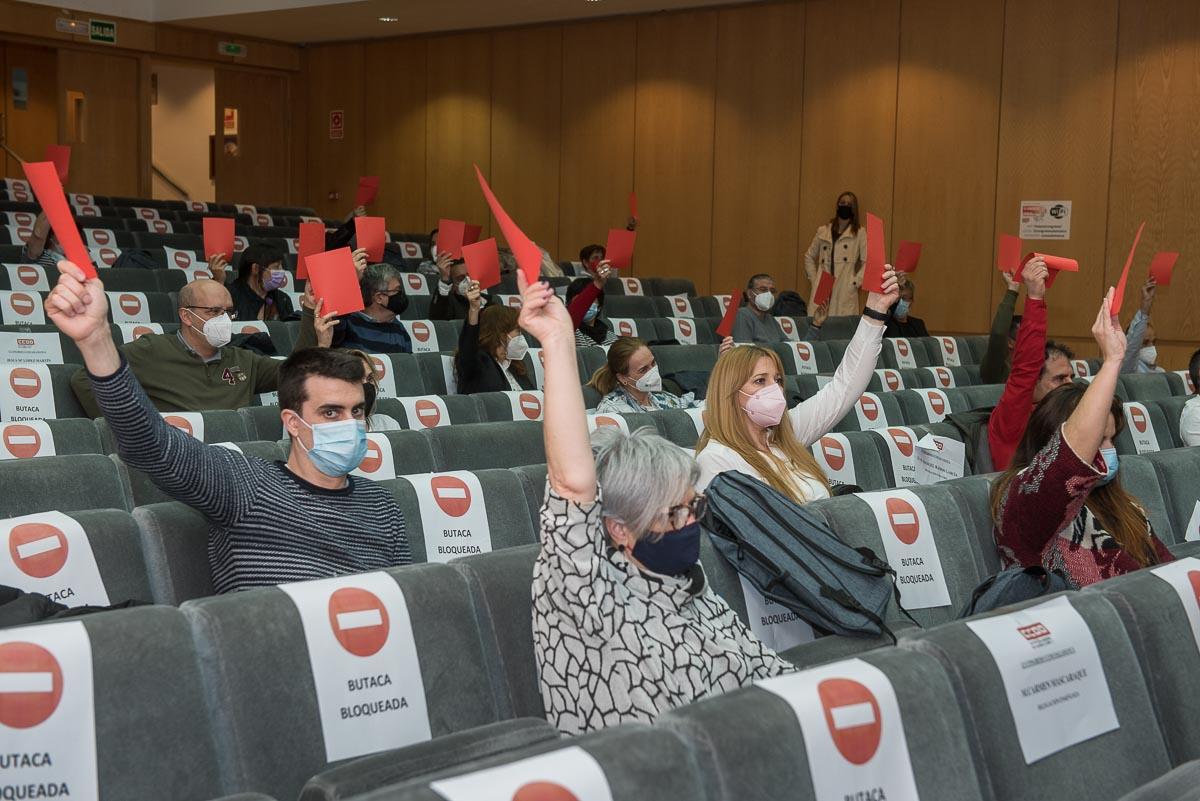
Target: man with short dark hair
x=269, y=523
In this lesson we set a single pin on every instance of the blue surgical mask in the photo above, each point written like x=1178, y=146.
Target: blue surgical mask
x=592, y=312
x=673, y=553
x=902, y=307
x=338, y=447
x=1111, y=462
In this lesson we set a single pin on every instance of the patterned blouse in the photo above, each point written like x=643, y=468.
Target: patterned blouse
x=616, y=645
x=621, y=401
x=1043, y=520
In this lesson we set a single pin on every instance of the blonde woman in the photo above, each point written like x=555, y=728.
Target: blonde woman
x=748, y=427
x=630, y=381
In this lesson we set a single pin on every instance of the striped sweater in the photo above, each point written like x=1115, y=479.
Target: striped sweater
x=267, y=526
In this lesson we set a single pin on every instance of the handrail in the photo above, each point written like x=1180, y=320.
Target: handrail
x=179, y=190
x=4, y=138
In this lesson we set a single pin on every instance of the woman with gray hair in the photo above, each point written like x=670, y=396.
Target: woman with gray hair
x=624, y=624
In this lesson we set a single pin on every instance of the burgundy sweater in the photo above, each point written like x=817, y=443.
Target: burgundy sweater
x=1043, y=520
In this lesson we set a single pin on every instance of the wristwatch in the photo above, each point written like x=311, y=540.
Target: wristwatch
x=875, y=315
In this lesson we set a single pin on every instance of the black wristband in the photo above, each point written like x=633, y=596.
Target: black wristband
x=875, y=315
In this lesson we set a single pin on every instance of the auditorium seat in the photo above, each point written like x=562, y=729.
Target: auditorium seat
x=486, y=445
x=841, y=327
x=1144, y=386
x=897, y=351
x=983, y=395
x=669, y=286
x=929, y=405
x=174, y=539
x=533, y=483
x=1140, y=479
x=65, y=404
x=974, y=499
x=410, y=451
x=255, y=659
x=434, y=372
x=677, y=425
x=1181, y=784
x=143, y=491
x=805, y=358
x=219, y=425
x=750, y=745
x=62, y=437
x=1171, y=409
x=430, y=411
x=1177, y=384
x=1105, y=766
x=867, y=465
x=61, y=483
x=636, y=306
x=883, y=407
x=404, y=375
x=685, y=358
x=262, y=423
x=1177, y=471
x=509, y=406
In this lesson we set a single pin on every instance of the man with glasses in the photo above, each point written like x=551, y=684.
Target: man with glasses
x=375, y=329
x=195, y=369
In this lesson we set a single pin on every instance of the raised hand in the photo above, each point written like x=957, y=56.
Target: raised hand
x=474, y=294
x=1107, y=331
x=1034, y=275
x=1013, y=284
x=78, y=305
x=1149, y=290
x=323, y=324
x=542, y=313
x=217, y=265
x=443, y=266
x=603, y=271
x=360, y=260
x=820, y=315
x=882, y=301
x=726, y=345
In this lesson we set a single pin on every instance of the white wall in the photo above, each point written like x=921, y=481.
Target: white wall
x=181, y=122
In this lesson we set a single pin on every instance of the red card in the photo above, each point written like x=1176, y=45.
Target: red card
x=907, y=256
x=1161, y=267
x=483, y=262
x=1009, y=258
x=312, y=242
x=43, y=177
x=726, y=327
x=1054, y=264
x=61, y=156
x=876, y=248
x=824, y=289
x=218, y=237
x=1119, y=295
x=471, y=234
x=368, y=188
x=529, y=255
x=619, y=249
x=452, y=235
x=372, y=233
x=633, y=206
x=335, y=280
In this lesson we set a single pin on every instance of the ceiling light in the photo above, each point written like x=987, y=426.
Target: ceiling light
x=389, y=19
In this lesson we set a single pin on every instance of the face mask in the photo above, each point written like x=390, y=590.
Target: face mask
x=650, y=382
x=766, y=407
x=338, y=447
x=844, y=212
x=902, y=307
x=464, y=286
x=764, y=301
x=517, y=348
x=671, y=554
x=273, y=280
x=592, y=313
x=217, y=331
x=1112, y=463
x=1148, y=354
x=397, y=303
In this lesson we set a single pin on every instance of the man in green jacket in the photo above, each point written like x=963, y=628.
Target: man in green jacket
x=194, y=370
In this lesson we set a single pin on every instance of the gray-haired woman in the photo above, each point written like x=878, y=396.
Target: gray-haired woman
x=624, y=624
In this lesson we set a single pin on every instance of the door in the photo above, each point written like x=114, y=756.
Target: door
x=30, y=110
x=100, y=118
x=253, y=138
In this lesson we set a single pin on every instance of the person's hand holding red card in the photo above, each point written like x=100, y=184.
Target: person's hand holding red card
x=483, y=262
x=529, y=255
x=907, y=256
x=824, y=289
x=61, y=156
x=885, y=299
x=368, y=189
x=371, y=233
x=1055, y=264
x=619, y=250
x=218, y=237
x=335, y=281
x=726, y=327
x=876, y=255
x=1162, y=266
x=43, y=179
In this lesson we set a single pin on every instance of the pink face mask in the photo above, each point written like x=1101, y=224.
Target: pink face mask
x=766, y=407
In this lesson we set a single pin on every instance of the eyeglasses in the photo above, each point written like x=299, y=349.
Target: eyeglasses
x=678, y=516
x=209, y=312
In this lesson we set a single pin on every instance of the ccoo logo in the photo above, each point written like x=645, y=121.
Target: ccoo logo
x=359, y=620
x=852, y=715
x=452, y=494
x=835, y=453
x=903, y=519
x=22, y=441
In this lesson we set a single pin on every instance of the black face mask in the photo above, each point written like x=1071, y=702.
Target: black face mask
x=844, y=212
x=397, y=303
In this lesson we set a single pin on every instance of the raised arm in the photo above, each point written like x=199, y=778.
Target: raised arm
x=1137, y=327
x=38, y=238
x=1008, y=420
x=216, y=481
x=570, y=467
x=1084, y=429
x=991, y=367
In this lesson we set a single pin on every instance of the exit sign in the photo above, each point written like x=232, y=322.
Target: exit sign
x=232, y=49
x=101, y=30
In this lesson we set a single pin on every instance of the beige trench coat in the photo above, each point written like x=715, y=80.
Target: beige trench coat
x=848, y=255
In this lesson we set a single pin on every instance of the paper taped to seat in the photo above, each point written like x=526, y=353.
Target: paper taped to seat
x=1141, y=429
x=30, y=277
x=425, y=411
x=907, y=535
x=453, y=514
x=49, y=553
x=869, y=411
x=190, y=423
x=26, y=440
x=378, y=464
x=777, y=627
x=836, y=458
x=133, y=331
x=526, y=405
x=23, y=348
x=804, y=358
x=1184, y=577
x=568, y=773
x=364, y=663
x=950, y=351
x=853, y=731
x=423, y=334
x=21, y=307
x=26, y=393
x=1055, y=683
x=903, y=351
x=901, y=443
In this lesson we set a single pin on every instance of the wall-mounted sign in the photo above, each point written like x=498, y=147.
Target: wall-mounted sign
x=337, y=124
x=231, y=49
x=1045, y=219
x=102, y=30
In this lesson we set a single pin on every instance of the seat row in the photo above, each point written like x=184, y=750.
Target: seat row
x=385, y=685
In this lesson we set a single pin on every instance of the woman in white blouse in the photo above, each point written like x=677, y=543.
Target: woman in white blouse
x=748, y=427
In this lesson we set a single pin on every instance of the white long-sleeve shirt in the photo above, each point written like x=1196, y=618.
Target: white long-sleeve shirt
x=811, y=419
x=1189, y=422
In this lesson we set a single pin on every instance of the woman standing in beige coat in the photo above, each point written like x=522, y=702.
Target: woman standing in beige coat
x=840, y=247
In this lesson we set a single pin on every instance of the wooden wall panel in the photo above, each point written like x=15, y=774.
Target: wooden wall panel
x=108, y=159
x=1156, y=159
x=178, y=42
x=458, y=128
x=395, y=119
x=1055, y=137
x=673, y=156
x=598, y=109
x=298, y=115
x=527, y=127
x=756, y=161
x=950, y=58
x=335, y=165
x=30, y=129
x=260, y=169
x=849, y=140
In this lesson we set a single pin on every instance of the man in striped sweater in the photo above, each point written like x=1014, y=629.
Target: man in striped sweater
x=269, y=523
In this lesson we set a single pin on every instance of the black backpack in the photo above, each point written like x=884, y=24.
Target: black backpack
x=972, y=428
x=789, y=304
x=793, y=558
x=1013, y=586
